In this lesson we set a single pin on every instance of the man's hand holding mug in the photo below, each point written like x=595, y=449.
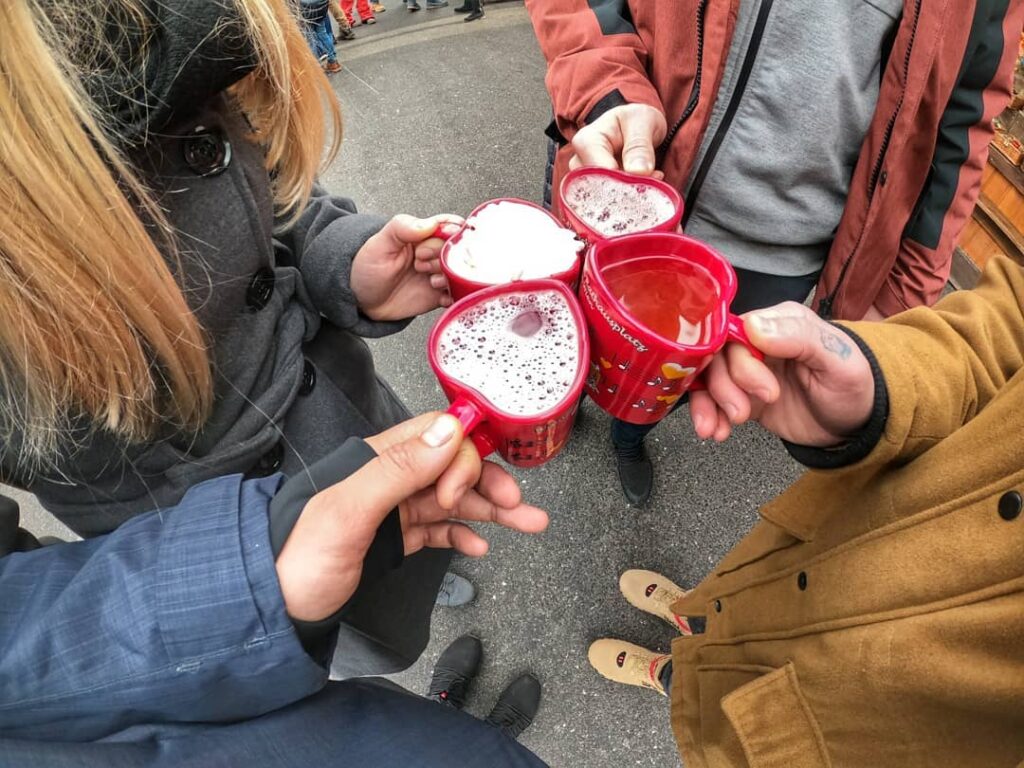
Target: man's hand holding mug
x=815, y=386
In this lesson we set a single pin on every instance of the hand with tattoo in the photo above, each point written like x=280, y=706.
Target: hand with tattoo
x=815, y=387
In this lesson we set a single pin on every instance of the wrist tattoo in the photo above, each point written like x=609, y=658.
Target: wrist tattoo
x=834, y=343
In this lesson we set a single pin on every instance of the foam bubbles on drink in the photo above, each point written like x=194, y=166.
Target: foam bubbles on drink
x=508, y=241
x=519, y=350
x=612, y=207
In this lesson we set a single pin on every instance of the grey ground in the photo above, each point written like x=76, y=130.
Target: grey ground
x=440, y=116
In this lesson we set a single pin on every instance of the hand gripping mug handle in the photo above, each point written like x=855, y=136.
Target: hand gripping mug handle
x=735, y=332
x=470, y=417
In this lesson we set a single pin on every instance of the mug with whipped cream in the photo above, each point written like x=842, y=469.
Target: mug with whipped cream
x=509, y=240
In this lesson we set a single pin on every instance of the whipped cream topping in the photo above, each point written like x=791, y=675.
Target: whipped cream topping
x=508, y=241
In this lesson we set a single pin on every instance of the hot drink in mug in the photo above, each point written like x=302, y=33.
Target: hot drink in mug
x=512, y=360
x=657, y=309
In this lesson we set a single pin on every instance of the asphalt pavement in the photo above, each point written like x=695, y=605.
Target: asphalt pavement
x=441, y=115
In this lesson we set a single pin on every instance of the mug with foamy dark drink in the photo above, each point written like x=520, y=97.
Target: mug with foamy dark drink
x=600, y=204
x=512, y=360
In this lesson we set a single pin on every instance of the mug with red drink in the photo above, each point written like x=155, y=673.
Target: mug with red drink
x=512, y=360
x=657, y=310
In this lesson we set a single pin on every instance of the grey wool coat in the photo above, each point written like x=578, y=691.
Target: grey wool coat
x=293, y=377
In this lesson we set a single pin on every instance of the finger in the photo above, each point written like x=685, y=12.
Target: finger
x=703, y=414
x=403, y=467
x=445, y=535
x=729, y=397
x=446, y=300
x=594, y=147
x=523, y=517
x=750, y=374
x=427, y=265
x=428, y=251
x=462, y=474
x=638, y=128
x=724, y=428
x=402, y=431
x=790, y=331
x=499, y=486
x=439, y=282
x=404, y=229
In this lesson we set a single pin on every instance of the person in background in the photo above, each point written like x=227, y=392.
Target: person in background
x=317, y=27
x=475, y=9
x=363, y=7
x=344, y=28
x=834, y=147
x=874, y=615
x=432, y=5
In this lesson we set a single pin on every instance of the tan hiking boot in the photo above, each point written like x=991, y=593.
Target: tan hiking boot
x=653, y=593
x=623, y=662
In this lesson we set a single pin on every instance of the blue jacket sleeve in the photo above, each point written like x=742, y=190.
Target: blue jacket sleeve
x=174, y=617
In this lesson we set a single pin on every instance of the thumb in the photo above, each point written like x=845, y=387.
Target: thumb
x=788, y=331
x=405, y=467
x=638, y=142
x=404, y=229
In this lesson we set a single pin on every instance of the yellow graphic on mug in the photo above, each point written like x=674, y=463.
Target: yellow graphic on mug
x=605, y=364
x=669, y=399
x=676, y=371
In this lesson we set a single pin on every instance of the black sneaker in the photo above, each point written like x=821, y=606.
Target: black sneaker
x=517, y=706
x=477, y=14
x=636, y=474
x=456, y=667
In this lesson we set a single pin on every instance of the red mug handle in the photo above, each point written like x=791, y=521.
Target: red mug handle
x=470, y=417
x=734, y=332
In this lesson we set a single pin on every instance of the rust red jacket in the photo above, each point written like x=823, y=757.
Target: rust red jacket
x=947, y=75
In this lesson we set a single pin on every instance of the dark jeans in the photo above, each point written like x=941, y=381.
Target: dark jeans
x=757, y=290
x=356, y=723
x=665, y=678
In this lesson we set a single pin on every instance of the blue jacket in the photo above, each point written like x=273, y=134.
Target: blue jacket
x=175, y=616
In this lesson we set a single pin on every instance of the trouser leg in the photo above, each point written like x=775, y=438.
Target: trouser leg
x=357, y=723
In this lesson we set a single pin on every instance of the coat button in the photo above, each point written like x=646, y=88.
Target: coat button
x=207, y=152
x=1010, y=505
x=718, y=606
x=269, y=462
x=261, y=288
x=308, y=378
x=883, y=178
x=801, y=581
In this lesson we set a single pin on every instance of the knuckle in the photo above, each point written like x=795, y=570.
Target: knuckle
x=399, y=460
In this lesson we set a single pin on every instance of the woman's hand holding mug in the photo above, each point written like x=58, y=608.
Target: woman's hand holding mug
x=397, y=273
x=814, y=388
x=434, y=476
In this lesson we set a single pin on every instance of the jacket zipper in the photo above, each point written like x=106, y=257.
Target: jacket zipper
x=825, y=305
x=691, y=103
x=730, y=112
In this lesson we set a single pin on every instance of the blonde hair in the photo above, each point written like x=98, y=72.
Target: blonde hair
x=93, y=321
